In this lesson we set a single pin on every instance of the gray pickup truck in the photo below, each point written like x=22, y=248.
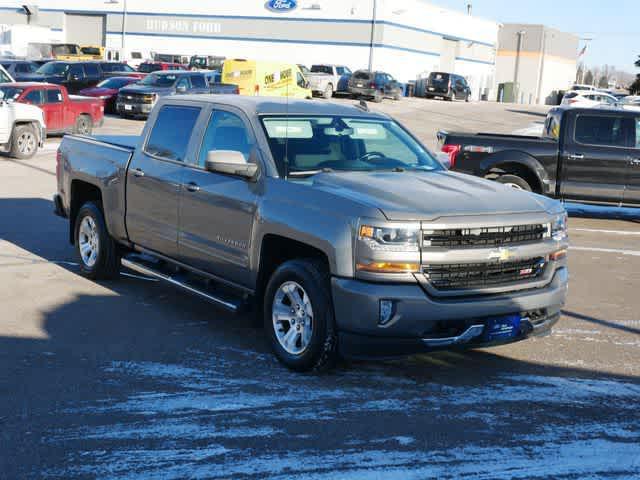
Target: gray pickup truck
x=333, y=223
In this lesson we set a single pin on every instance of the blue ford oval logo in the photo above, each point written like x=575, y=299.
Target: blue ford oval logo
x=280, y=6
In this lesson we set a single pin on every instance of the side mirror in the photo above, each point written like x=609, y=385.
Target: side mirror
x=181, y=89
x=444, y=159
x=230, y=162
x=1, y=95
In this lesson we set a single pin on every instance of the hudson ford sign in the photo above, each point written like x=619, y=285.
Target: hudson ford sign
x=281, y=6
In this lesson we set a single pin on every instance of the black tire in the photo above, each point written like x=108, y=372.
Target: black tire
x=515, y=181
x=24, y=142
x=396, y=96
x=321, y=352
x=377, y=97
x=84, y=125
x=328, y=92
x=107, y=261
x=466, y=98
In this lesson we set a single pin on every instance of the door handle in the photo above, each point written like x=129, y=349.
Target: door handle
x=192, y=187
x=575, y=156
x=138, y=172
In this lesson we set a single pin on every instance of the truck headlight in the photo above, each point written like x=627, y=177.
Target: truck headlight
x=389, y=249
x=391, y=239
x=559, y=227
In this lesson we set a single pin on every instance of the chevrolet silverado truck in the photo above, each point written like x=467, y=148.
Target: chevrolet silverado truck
x=326, y=79
x=341, y=231
x=138, y=99
x=22, y=127
x=588, y=155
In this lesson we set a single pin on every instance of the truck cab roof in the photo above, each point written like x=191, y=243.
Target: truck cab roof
x=253, y=105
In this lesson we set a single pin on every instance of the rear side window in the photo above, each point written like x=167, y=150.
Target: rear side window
x=322, y=69
x=54, y=96
x=437, y=78
x=172, y=131
x=34, y=96
x=605, y=130
x=198, y=81
x=76, y=70
x=637, y=132
x=92, y=70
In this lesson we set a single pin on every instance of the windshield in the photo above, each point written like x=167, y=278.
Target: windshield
x=322, y=69
x=159, y=80
x=311, y=144
x=11, y=93
x=54, y=69
x=115, y=82
x=116, y=67
x=64, y=49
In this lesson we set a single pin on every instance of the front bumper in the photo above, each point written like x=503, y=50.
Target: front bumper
x=124, y=108
x=422, y=323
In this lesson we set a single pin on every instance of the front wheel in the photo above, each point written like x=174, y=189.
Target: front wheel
x=298, y=316
x=97, y=252
x=24, y=142
x=514, y=181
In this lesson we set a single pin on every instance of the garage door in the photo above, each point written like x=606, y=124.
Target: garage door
x=85, y=29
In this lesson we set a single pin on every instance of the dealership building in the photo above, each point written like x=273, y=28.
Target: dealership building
x=406, y=38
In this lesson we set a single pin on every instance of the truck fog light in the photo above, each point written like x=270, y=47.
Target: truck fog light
x=386, y=311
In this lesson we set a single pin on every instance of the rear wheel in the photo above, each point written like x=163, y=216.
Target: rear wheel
x=83, y=125
x=396, y=96
x=328, y=92
x=377, y=97
x=24, y=142
x=97, y=252
x=514, y=181
x=298, y=316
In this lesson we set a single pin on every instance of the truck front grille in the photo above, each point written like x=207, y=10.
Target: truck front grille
x=485, y=236
x=467, y=276
x=135, y=98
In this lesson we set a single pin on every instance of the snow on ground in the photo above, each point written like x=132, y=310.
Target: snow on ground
x=203, y=419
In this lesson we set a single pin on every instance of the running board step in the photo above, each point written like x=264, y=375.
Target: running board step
x=148, y=267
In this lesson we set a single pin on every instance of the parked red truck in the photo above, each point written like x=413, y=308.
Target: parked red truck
x=63, y=113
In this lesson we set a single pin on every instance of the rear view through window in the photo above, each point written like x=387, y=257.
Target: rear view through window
x=605, y=130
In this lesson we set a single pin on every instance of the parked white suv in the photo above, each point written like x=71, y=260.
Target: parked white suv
x=587, y=98
x=22, y=128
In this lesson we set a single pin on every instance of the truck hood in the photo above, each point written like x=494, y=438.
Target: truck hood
x=407, y=196
x=161, y=91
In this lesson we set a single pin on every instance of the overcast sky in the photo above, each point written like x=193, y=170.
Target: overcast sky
x=614, y=25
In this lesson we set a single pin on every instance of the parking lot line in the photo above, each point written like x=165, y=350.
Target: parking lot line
x=634, y=253
x=596, y=230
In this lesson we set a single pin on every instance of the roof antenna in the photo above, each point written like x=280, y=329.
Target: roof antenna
x=362, y=105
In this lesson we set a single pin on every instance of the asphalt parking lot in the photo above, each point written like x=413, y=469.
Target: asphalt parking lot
x=133, y=379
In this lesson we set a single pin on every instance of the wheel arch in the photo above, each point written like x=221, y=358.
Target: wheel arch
x=81, y=193
x=517, y=163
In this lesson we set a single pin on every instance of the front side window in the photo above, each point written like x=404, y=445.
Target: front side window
x=171, y=133
x=4, y=78
x=300, y=81
x=183, y=82
x=226, y=131
x=92, y=70
x=54, y=96
x=159, y=80
x=604, y=130
x=321, y=69
x=638, y=132
x=54, y=68
x=76, y=71
x=303, y=144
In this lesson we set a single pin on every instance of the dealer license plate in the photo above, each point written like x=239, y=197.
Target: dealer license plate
x=128, y=107
x=431, y=89
x=359, y=85
x=502, y=328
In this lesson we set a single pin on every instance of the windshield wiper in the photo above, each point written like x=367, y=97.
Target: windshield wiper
x=308, y=173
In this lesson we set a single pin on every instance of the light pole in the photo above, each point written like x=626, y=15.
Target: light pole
x=516, y=88
x=373, y=35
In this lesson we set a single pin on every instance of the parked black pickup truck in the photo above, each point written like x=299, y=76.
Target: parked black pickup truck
x=584, y=154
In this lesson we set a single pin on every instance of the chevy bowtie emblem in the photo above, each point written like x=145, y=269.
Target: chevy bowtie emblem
x=502, y=254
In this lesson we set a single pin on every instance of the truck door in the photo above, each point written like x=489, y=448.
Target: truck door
x=632, y=192
x=595, y=157
x=76, y=78
x=53, y=108
x=154, y=180
x=216, y=210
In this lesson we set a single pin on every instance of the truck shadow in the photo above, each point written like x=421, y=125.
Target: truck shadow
x=133, y=377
